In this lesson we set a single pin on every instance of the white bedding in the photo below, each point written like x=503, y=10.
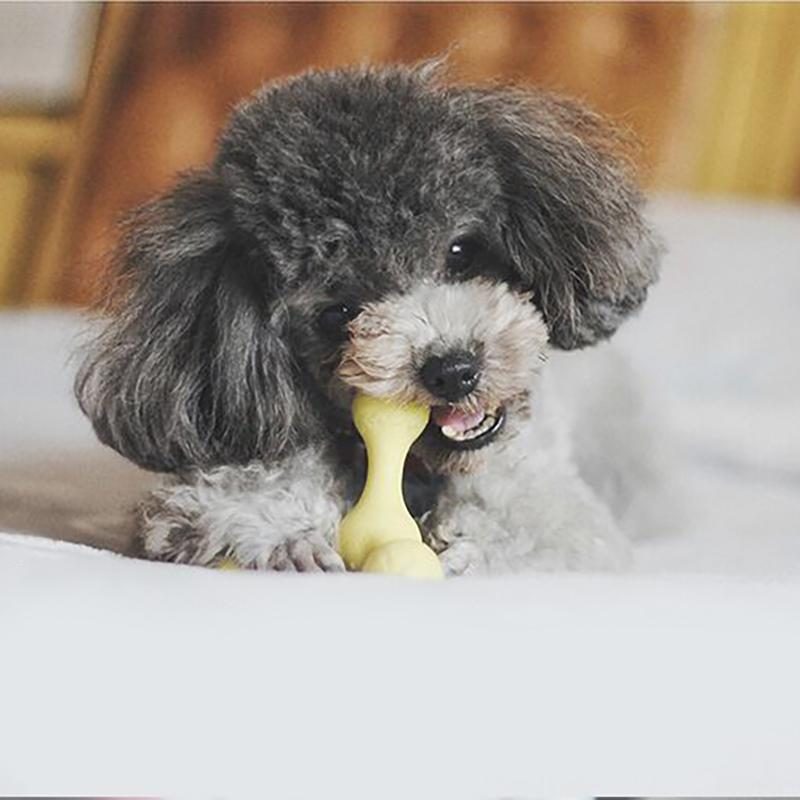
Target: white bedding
x=680, y=678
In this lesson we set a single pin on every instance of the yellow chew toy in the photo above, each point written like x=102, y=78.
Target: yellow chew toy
x=378, y=534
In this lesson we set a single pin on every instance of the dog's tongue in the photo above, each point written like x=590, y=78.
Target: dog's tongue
x=456, y=418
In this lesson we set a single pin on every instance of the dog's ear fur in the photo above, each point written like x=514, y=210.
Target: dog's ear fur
x=192, y=368
x=574, y=228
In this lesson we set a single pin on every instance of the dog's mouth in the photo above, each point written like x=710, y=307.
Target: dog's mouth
x=458, y=429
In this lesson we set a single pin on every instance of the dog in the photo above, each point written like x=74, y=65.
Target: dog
x=376, y=230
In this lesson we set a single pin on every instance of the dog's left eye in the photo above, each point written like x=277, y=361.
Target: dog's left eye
x=333, y=319
x=462, y=253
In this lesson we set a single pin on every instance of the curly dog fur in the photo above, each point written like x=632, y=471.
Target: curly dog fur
x=376, y=230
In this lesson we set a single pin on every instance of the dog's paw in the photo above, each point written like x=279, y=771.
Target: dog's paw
x=462, y=557
x=304, y=554
x=177, y=542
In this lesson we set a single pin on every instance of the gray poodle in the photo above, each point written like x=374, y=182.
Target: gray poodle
x=378, y=230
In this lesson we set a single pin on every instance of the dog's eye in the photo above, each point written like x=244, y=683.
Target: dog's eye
x=462, y=253
x=333, y=319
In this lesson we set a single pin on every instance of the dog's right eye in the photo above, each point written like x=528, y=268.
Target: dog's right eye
x=333, y=319
x=463, y=253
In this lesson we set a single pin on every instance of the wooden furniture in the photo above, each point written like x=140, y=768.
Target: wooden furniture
x=32, y=150
x=45, y=51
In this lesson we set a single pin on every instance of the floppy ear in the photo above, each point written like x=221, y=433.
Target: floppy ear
x=193, y=367
x=574, y=227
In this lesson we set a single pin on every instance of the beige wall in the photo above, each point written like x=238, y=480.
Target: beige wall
x=44, y=53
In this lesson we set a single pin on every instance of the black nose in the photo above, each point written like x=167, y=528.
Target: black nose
x=451, y=376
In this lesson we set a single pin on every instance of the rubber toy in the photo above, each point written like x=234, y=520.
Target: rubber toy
x=379, y=534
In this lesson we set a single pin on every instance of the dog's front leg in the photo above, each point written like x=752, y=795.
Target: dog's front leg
x=282, y=516
x=524, y=520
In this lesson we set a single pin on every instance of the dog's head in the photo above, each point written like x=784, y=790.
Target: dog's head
x=366, y=230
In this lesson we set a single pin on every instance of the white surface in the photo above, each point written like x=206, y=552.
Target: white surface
x=165, y=680
x=678, y=679
x=720, y=339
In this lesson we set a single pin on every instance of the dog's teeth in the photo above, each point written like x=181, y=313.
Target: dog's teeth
x=449, y=432
x=487, y=423
x=473, y=433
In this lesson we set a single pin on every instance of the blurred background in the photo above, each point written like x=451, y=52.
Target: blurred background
x=101, y=104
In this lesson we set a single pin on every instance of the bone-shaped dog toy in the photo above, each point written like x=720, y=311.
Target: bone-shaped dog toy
x=379, y=534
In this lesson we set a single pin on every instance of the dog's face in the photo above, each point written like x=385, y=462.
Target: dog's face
x=366, y=231
x=469, y=349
